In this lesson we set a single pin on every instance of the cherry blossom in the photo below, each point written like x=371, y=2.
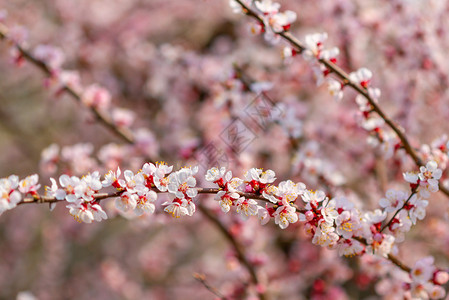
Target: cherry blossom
x=123, y=117
x=145, y=203
x=257, y=180
x=400, y=225
x=325, y=235
x=29, y=185
x=112, y=179
x=69, y=184
x=423, y=270
x=87, y=212
x=10, y=197
x=312, y=198
x=348, y=223
x=267, y=7
x=182, y=183
x=430, y=174
x=133, y=183
x=335, y=89
x=362, y=77
x=393, y=200
x=55, y=191
x=285, y=192
x=97, y=97
x=282, y=21
x=81, y=212
x=314, y=44
x=246, y=207
x=226, y=200
x=156, y=174
x=126, y=201
x=417, y=208
x=179, y=207
x=88, y=186
x=219, y=176
x=52, y=56
x=285, y=215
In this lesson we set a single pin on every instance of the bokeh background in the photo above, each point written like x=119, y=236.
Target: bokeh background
x=185, y=68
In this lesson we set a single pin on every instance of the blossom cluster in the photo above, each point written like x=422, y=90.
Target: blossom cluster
x=273, y=20
x=427, y=280
x=334, y=223
x=79, y=192
x=258, y=183
x=380, y=135
x=12, y=190
x=423, y=281
x=314, y=52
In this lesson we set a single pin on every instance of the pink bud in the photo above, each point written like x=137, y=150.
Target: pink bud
x=378, y=237
x=97, y=97
x=441, y=277
x=309, y=215
x=261, y=288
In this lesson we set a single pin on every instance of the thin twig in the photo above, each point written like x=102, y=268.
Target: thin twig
x=396, y=213
x=202, y=279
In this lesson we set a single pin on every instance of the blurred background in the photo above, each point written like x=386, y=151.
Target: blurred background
x=189, y=73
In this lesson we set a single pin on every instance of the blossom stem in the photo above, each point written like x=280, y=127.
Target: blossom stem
x=396, y=213
x=202, y=279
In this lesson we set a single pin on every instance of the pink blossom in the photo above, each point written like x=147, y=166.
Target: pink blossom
x=97, y=97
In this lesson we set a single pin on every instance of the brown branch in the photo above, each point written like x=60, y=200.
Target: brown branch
x=237, y=246
x=398, y=263
x=357, y=87
x=39, y=199
x=123, y=133
x=390, y=257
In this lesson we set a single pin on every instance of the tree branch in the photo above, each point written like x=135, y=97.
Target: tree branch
x=357, y=87
x=237, y=247
x=123, y=133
